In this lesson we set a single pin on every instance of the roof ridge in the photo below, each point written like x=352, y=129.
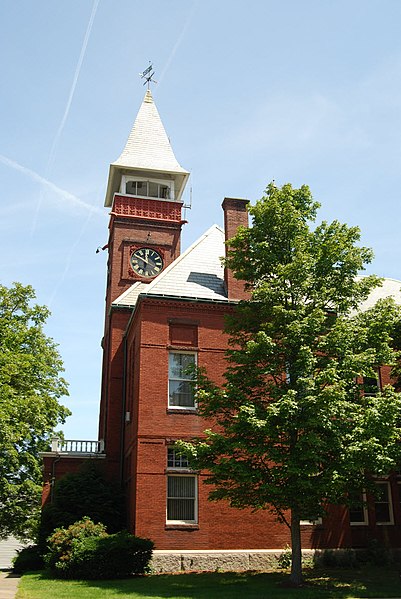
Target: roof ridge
x=362, y=276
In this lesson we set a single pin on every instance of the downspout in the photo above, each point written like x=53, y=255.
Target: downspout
x=124, y=405
x=105, y=377
x=53, y=479
x=124, y=398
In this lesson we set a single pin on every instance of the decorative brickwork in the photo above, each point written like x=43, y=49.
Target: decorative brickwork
x=147, y=208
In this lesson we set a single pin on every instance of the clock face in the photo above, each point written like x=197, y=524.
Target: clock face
x=146, y=262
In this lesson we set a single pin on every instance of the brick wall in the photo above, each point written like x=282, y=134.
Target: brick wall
x=235, y=215
x=153, y=427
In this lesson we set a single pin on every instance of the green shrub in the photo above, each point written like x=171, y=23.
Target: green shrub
x=28, y=558
x=339, y=558
x=114, y=556
x=284, y=559
x=376, y=554
x=61, y=542
x=84, y=550
x=83, y=493
x=52, y=518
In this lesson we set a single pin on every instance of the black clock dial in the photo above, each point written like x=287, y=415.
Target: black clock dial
x=146, y=262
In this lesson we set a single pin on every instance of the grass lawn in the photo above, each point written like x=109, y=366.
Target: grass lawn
x=320, y=584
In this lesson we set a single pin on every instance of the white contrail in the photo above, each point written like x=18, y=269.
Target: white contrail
x=178, y=42
x=52, y=153
x=72, y=90
x=63, y=193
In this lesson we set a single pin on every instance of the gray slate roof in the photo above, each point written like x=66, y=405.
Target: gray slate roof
x=196, y=274
x=148, y=152
x=389, y=288
x=148, y=146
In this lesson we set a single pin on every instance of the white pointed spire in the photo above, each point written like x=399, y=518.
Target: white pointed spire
x=148, y=146
x=147, y=150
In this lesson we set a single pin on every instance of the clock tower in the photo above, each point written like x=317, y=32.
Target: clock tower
x=144, y=192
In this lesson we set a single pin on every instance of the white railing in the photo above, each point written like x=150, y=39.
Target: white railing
x=77, y=446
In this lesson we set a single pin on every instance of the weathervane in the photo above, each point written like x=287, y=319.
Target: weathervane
x=148, y=74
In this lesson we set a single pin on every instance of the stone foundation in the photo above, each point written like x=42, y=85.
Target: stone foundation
x=238, y=560
x=217, y=560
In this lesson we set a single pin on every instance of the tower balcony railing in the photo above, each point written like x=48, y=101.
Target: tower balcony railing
x=75, y=446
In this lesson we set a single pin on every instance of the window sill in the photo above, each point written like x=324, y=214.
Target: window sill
x=177, y=470
x=182, y=411
x=181, y=527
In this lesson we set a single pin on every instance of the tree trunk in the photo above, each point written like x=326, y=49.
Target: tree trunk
x=296, y=553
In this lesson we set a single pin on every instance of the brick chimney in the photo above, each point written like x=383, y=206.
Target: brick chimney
x=235, y=215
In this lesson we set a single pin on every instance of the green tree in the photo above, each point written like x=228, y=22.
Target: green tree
x=30, y=386
x=292, y=429
x=86, y=493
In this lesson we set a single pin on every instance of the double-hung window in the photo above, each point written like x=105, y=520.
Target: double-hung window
x=370, y=386
x=383, y=504
x=358, y=511
x=180, y=377
x=182, y=490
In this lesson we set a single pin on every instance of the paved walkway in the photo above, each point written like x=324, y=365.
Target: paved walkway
x=8, y=549
x=8, y=585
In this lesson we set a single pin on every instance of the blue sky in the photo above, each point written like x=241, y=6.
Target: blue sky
x=305, y=92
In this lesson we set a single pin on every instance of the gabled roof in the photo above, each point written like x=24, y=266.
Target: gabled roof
x=197, y=274
x=148, y=150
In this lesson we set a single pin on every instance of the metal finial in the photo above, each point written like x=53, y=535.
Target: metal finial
x=148, y=75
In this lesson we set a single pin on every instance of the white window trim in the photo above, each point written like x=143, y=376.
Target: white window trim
x=390, y=504
x=171, y=407
x=174, y=469
x=195, y=521
x=365, y=514
x=168, y=182
x=315, y=522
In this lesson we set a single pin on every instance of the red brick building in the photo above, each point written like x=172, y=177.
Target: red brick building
x=165, y=310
